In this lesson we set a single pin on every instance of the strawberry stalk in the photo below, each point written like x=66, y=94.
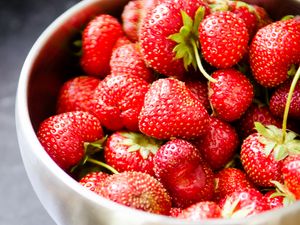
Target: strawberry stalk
x=288, y=103
x=187, y=41
x=102, y=164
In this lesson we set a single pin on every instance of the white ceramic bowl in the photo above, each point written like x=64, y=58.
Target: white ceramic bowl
x=44, y=71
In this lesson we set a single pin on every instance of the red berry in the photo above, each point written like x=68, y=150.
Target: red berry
x=291, y=174
x=93, y=180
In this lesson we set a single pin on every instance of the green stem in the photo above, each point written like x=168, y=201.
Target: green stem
x=288, y=103
x=106, y=166
x=199, y=63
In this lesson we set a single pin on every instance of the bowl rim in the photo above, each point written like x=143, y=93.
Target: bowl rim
x=25, y=129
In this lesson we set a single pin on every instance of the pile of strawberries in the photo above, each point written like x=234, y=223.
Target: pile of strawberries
x=186, y=108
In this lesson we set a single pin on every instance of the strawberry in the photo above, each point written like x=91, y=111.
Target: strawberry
x=127, y=59
x=229, y=180
x=171, y=110
x=129, y=151
x=231, y=95
x=223, y=38
x=244, y=203
x=187, y=177
x=247, y=13
x=255, y=113
x=219, y=144
x=273, y=200
x=262, y=15
x=98, y=40
x=261, y=166
x=274, y=49
x=200, y=90
x=279, y=98
x=123, y=40
x=157, y=38
x=93, y=180
x=200, y=211
x=137, y=190
x=76, y=94
x=63, y=136
x=118, y=100
x=131, y=17
x=291, y=174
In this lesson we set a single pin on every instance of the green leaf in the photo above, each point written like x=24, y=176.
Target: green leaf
x=269, y=146
x=280, y=152
x=186, y=19
x=263, y=130
x=199, y=16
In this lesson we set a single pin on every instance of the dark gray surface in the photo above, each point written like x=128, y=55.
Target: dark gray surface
x=21, y=22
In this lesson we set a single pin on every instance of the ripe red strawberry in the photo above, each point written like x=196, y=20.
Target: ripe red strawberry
x=77, y=94
x=93, y=180
x=274, y=201
x=262, y=15
x=118, y=100
x=98, y=40
x=63, y=136
x=200, y=89
x=247, y=13
x=131, y=17
x=219, y=144
x=187, y=177
x=261, y=166
x=255, y=113
x=291, y=173
x=279, y=97
x=137, y=190
x=273, y=50
x=231, y=95
x=223, y=39
x=229, y=180
x=127, y=59
x=162, y=21
x=129, y=151
x=244, y=203
x=171, y=110
x=201, y=210
x=123, y=40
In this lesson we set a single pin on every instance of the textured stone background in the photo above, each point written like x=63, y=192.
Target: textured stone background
x=21, y=22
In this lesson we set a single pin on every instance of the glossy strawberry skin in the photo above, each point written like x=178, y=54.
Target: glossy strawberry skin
x=77, y=94
x=229, y=180
x=159, y=23
x=274, y=202
x=118, y=155
x=279, y=97
x=200, y=90
x=231, y=95
x=291, y=174
x=127, y=59
x=223, y=38
x=118, y=100
x=200, y=211
x=186, y=176
x=137, y=190
x=260, y=168
x=273, y=50
x=219, y=144
x=255, y=113
x=98, y=40
x=171, y=110
x=93, y=180
x=63, y=136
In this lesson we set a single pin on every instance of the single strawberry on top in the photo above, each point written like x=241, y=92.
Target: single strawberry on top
x=98, y=40
x=219, y=144
x=63, y=136
x=223, y=39
x=171, y=110
x=137, y=190
x=179, y=166
x=157, y=38
x=77, y=94
x=231, y=95
x=118, y=100
x=131, y=151
x=273, y=51
x=127, y=59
